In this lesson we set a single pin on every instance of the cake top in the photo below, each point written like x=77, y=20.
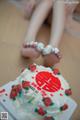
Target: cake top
x=44, y=82
x=38, y=90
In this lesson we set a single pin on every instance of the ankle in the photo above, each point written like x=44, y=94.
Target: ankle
x=29, y=39
x=54, y=43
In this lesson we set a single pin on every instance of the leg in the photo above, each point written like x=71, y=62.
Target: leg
x=56, y=32
x=37, y=20
x=57, y=23
x=29, y=7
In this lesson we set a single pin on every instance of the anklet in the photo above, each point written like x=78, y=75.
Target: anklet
x=49, y=49
x=38, y=45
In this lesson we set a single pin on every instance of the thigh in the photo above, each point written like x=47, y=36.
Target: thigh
x=43, y=7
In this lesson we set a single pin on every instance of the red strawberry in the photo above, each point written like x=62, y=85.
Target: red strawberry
x=56, y=71
x=13, y=94
x=47, y=101
x=48, y=118
x=19, y=88
x=41, y=111
x=25, y=84
x=14, y=88
x=68, y=92
x=32, y=67
x=64, y=107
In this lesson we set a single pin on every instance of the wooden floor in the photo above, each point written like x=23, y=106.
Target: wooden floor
x=12, y=32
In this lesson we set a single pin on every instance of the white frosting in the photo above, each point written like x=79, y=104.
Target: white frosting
x=33, y=97
x=59, y=100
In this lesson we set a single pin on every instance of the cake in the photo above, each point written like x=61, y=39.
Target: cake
x=41, y=92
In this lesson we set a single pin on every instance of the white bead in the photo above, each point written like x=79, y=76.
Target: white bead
x=40, y=46
x=35, y=43
x=31, y=43
x=49, y=47
x=47, y=50
x=56, y=50
x=53, y=49
x=28, y=43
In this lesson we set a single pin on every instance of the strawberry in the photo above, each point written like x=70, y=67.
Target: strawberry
x=32, y=67
x=40, y=111
x=68, y=92
x=64, y=107
x=56, y=71
x=25, y=84
x=47, y=101
x=13, y=94
x=48, y=118
x=19, y=89
x=14, y=88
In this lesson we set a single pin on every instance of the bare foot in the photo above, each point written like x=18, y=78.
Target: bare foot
x=52, y=58
x=32, y=50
